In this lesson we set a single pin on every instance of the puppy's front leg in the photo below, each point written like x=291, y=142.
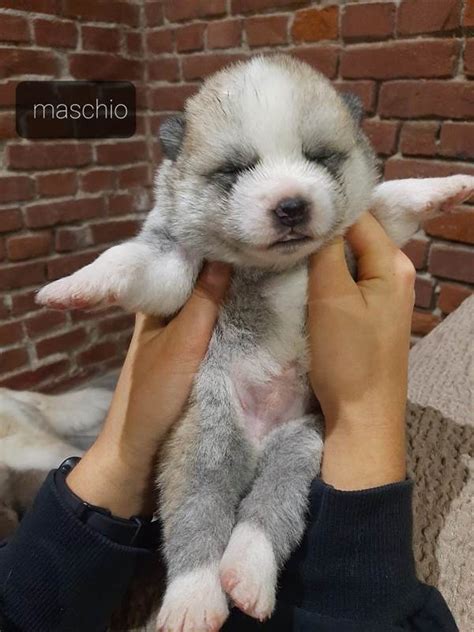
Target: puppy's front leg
x=402, y=205
x=271, y=519
x=137, y=275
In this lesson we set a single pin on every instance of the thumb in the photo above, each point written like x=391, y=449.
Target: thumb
x=328, y=272
x=197, y=318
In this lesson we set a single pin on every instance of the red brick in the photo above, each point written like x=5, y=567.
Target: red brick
x=200, y=66
x=224, y=34
x=368, y=21
x=159, y=42
x=469, y=58
x=452, y=262
x=179, y=10
x=13, y=28
x=469, y=13
x=81, y=316
x=13, y=359
x=121, y=152
x=424, y=289
x=55, y=33
x=33, y=378
x=312, y=25
x=21, y=275
x=266, y=30
x=98, y=180
x=382, y=135
x=64, y=343
x=52, y=213
x=100, y=38
x=457, y=140
x=16, y=188
x=10, y=219
x=36, y=6
x=22, y=61
x=163, y=69
x=171, y=98
x=323, y=58
x=7, y=125
x=391, y=60
x=100, y=66
x=44, y=321
x=10, y=333
x=121, y=204
x=114, y=231
x=4, y=309
x=116, y=323
x=458, y=226
x=109, y=11
x=97, y=353
x=137, y=176
x=419, y=139
x=73, y=238
x=426, y=16
x=24, y=303
x=2, y=250
x=22, y=247
x=435, y=99
x=39, y=155
x=190, y=38
x=365, y=90
x=451, y=296
x=57, y=184
x=423, y=322
x=8, y=93
x=253, y=6
x=134, y=43
x=396, y=168
x=417, y=251
x=154, y=13
x=67, y=264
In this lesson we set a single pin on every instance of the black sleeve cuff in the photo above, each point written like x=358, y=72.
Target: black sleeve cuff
x=58, y=574
x=356, y=559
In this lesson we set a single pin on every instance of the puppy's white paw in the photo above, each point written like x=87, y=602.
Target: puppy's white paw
x=248, y=571
x=447, y=193
x=116, y=277
x=194, y=602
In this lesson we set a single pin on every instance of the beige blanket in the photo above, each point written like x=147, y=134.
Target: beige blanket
x=441, y=459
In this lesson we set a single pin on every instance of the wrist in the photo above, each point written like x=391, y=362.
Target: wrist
x=105, y=478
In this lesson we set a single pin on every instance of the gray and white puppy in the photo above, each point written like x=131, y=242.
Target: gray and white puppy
x=267, y=165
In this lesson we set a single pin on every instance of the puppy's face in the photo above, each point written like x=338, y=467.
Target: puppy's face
x=268, y=164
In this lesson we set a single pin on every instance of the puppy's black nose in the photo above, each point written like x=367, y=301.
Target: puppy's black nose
x=292, y=211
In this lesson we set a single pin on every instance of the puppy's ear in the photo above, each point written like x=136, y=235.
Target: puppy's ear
x=171, y=135
x=354, y=105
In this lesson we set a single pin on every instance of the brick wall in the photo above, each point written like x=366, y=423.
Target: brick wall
x=62, y=202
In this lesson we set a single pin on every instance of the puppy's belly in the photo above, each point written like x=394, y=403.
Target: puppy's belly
x=266, y=405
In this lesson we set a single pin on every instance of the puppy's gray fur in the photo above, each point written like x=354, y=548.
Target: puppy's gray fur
x=235, y=472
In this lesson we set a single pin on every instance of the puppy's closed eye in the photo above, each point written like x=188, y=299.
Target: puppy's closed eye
x=331, y=159
x=227, y=175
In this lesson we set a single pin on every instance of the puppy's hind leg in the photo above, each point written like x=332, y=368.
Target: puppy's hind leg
x=198, y=516
x=271, y=519
x=402, y=205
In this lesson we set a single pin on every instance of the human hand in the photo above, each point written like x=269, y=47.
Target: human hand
x=152, y=391
x=359, y=339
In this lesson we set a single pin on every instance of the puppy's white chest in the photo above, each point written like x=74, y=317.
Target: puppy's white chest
x=271, y=387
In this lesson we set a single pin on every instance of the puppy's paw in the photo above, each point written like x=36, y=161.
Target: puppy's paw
x=248, y=571
x=447, y=193
x=194, y=602
x=116, y=277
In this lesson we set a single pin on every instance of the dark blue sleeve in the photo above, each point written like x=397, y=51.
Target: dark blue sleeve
x=354, y=571
x=57, y=574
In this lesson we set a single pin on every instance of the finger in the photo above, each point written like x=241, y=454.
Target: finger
x=328, y=272
x=372, y=248
x=197, y=318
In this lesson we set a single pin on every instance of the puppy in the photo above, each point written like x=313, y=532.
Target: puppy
x=266, y=166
